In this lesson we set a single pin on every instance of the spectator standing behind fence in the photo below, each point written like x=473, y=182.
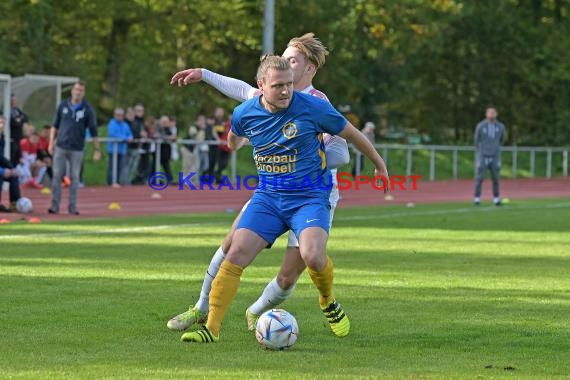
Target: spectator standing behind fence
x=219, y=128
x=134, y=148
x=223, y=151
x=17, y=120
x=148, y=151
x=174, y=145
x=118, y=129
x=167, y=135
x=203, y=148
x=489, y=137
x=211, y=137
x=67, y=143
x=143, y=156
x=190, y=156
x=368, y=131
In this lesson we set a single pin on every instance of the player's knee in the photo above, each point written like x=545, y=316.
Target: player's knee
x=234, y=255
x=315, y=260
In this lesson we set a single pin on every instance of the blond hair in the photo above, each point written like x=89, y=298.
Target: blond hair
x=274, y=62
x=311, y=47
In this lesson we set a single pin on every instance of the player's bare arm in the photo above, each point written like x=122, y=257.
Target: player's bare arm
x=235, y=142
x=361, y=143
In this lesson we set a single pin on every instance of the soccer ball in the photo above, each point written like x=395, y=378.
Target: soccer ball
x=24, y=205
x=276, y=329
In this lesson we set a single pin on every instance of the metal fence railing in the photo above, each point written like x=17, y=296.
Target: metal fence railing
x=514, y=151
x=409, y=151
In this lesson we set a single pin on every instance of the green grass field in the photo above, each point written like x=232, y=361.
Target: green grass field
x=438, y=291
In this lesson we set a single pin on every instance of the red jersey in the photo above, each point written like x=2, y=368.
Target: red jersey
x=43, y=144
x=26, y=146
x=224, y=137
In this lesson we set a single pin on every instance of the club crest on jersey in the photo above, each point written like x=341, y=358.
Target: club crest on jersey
x=289, y=130
x=79, y=115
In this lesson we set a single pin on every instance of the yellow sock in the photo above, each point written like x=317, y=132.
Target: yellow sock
x=224, y=288
x=323, y=280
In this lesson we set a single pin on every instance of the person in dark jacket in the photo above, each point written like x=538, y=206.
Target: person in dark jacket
x=67, y=143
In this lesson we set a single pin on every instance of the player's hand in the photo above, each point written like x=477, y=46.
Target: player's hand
x=50, y=149
x=384, y=179
x=188, y=76
x=7, y=174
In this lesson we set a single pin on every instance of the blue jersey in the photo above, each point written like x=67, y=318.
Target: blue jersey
x=288, y=145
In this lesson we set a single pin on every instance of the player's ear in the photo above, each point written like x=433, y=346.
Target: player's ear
x=260, y=84
x=310, y=69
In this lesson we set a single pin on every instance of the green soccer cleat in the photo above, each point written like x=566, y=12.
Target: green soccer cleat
x=251, y=320
x=338, y=320
x=203, y=335
x=182, y=321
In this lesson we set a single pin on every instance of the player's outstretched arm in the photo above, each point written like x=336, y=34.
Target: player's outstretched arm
x=361, y=143
x=235, y=142
x=231, y=87
x=185, y=77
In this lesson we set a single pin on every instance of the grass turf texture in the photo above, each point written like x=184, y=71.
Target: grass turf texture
x=435, y=291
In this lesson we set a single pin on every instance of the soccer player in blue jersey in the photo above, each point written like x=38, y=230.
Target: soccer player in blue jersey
x=285, y=129
x=306, y=55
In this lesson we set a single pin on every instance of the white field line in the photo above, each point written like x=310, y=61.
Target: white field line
x=447, y=211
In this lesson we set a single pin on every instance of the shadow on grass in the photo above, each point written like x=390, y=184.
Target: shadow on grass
x=176, y=260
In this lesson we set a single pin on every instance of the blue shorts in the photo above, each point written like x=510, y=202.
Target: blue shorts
x=271, y=214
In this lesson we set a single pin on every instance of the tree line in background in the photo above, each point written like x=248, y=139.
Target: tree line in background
x=429, y=65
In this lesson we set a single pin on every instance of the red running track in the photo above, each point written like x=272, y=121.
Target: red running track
x=141, y=200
